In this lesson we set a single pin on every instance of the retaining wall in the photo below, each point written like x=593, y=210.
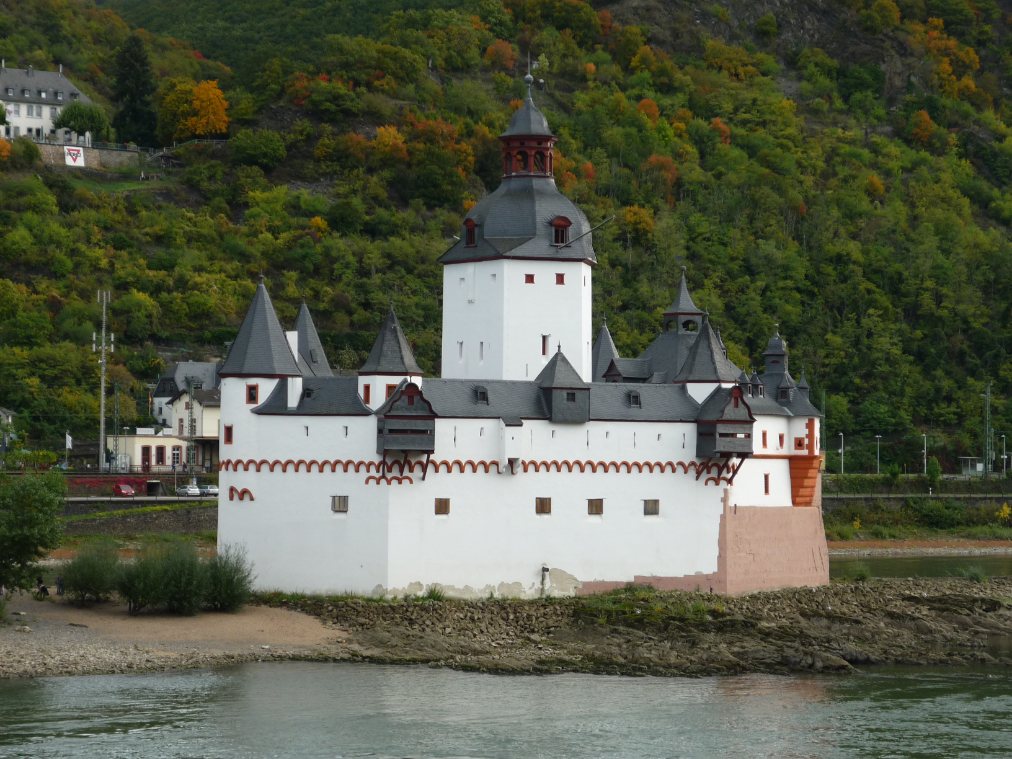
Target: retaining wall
x=831, y=503
x=94, y=158
x=179, y=521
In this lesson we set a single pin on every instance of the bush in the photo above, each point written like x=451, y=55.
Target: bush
x=92, y=573
x=24, y=154
x=973, y=573
x=262, y=148
x=140, y=583
x=229, y=579
x=184, y=579
x=862, y=573
x=940, y=515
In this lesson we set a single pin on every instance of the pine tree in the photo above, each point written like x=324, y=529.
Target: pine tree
x=134, y=85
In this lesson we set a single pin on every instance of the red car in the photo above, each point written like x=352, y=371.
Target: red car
x=123, y=490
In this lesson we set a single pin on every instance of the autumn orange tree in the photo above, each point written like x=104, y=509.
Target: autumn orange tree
x=500, y=55
x=207, y=110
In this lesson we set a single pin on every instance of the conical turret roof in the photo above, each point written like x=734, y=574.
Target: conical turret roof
x=603, y=354
x=391, y=353
x=776, y=346
x=528, y=120
x=261, y=348
x=706, y=361
x=559, y=373
x=311, y=359
x=683, y=301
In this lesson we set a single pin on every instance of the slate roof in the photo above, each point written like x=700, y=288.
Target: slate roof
x=507, y=399
x=172, y=382
x=327, y=396
x=658, y=403
x=776, y=346
x=559, y=373
x=261, y=348
x=208, y=397
x=713, y=406
x=705, y=361
x=311, y=358
x=515, y=222
x=603, y=353
x=33, y=81
x=668, y=351
x=683, y=301
x=528, y=121
x=766, y=406
x=391, y=353
x=631, y=368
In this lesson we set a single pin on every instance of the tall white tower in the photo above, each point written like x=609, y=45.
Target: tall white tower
x=517, y=285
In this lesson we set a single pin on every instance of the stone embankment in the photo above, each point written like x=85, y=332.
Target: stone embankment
x=634, y=631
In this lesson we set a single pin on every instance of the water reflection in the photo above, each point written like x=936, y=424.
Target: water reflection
x=321, y=710
x=919, y=566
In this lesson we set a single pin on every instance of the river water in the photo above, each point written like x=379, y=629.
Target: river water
x=350, y=710
x=919, y=566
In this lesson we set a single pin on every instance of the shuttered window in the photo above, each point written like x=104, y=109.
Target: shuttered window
x=651, y=507
x=595, y=506
x=543, y=505
x=442, y=505
x=339, y=504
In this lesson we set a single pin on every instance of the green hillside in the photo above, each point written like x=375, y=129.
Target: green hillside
x=840, y=168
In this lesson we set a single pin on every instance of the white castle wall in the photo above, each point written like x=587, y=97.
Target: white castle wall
x=493, y=321
x=392, y=542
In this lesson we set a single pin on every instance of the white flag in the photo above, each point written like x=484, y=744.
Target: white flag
x=70, y=442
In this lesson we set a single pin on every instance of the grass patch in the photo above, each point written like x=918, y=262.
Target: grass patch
x=642, y=606
x=973, y=573
x=142, y=510
x=118, y=185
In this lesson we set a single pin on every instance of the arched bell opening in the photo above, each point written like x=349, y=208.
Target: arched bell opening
x=539, y=162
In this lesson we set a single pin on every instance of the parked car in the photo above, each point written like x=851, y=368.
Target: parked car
x=122, y=490
x=188, y=490
x=209, y=490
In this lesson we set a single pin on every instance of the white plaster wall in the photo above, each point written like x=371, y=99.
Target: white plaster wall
x=774, y=427
x=493, y=321
x=749, y=484
x=378, y=384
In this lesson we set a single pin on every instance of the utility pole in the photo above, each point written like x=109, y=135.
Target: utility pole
x=822, y=426
x=1004, y=466
x=102, y=350
x=878, y=454
x=190, y=453
x=841, y=453
x=925, y=454
x=115, y=415
x=988, y=442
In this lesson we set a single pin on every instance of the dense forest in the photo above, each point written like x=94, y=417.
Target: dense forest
x=841, y=168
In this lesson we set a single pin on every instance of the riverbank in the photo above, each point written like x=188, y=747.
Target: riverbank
x=920, y=547
x=634, y=631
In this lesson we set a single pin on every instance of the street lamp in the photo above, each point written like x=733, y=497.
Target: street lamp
x=878, y=454
x=1004, y=464
x=925, y=454
x=841, y=453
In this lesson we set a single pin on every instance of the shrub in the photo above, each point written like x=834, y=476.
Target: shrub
x=973, y=573
x=262, y=148
x=435, y=593
x=140, y=583
x=940, y=515
x=862, y=573
x=766, y=26
x=184, y=579
x=229, y=579
x=92, y=573
x=24, y=154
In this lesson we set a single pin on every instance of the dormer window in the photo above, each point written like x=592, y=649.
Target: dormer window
x=307, y=393
x=571, y=397
x=73, y=96
x=482, y=395
x=10, y=92
x=560, y=227
x=42, y=94
x=784, y=394
x=762, y=391
x=312, y=356
x=25, y=93
x=470, y=238
x=59, y=94
x=634, y=400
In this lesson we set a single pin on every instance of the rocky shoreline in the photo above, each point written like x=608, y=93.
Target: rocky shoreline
x=635, y=631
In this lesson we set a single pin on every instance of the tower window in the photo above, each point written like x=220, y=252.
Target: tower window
x=390, y=390
x=482, y=395
x=634, y=400
x=544, y=345
x=781, y=442
x=528, y=279
x=228, y=437
x=367, y=394
x=470, y=239
x=764, y=438
x=521, y=161
x=560, y=279
x=766, y=484
x=539, y=162
x=783, y=395
x=561, y=235
x=571, y=396
x=252, y=393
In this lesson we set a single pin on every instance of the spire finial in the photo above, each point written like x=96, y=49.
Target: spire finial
x=684, y=267
x=776, y=327
x=560, y=347
x=529, y=80
x=261, y=276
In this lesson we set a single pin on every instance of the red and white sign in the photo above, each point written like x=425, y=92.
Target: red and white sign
x=73, y=156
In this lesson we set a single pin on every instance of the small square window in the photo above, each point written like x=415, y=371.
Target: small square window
x=543, y=505
x=528, y=279
x=560, y=279
x=595, y=506
x=651, y=507
x=390, y=390
x=228, y=434
x=483, y=396
x=571, y=396
x=442, y=505
x=339, y=504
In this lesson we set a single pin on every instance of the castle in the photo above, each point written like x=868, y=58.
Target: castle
x=541, y=462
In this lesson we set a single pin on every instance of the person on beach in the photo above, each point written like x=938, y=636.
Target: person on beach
x=59, y=585
x=41, y=591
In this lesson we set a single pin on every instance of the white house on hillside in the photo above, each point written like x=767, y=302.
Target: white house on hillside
x=33, y=100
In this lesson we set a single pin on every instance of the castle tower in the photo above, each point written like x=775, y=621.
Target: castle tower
x=389, y=362
x=517, y=283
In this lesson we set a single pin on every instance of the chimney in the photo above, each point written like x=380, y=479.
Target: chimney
x=31, y=70
x=3, y=63
x=61, y=69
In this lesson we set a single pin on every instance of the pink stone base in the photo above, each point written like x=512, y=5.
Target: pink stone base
x=759, y=548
